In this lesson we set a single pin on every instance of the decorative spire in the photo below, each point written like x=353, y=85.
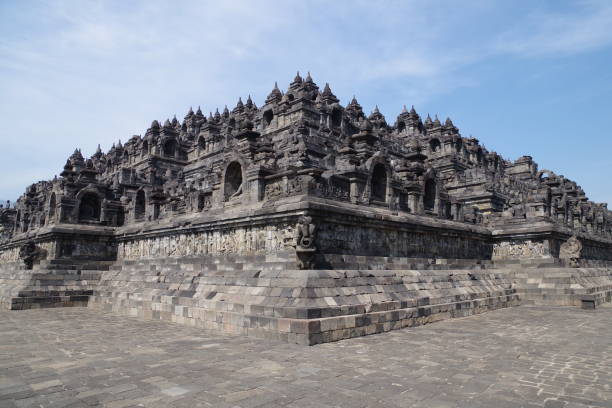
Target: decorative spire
x=275, y=95
x=404, y=110
x=98, y=150
x=249, y=102
x=199, y=112
x=217, y=115
x=327, y=95
x=190, y=113
x=309, y=78
x=167, y=123
x=155, y=124
x=448, y=123
x=437, y=121
x=298, y=78
x=377, y=118
x=354, y=107
x=226, y=112
x=174, y=121
x=413, y=111
x=428, y=121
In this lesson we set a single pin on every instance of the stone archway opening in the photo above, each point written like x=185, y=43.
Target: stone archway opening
x=90, y=208
x=233, y=180
x=429, y=200
x=379, y=183
x=140, y=205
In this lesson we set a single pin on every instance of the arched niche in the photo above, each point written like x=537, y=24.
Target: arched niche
x=336, y=117
x=434, y=145
x=140, y=205
x=379, y=183
x=145, y=147
x=170, y=147
x=120, y=216
x=267, y=118
x=201, y=144
x=429, y=198
x=90, y=207
x=233, y=180
x=401, y=126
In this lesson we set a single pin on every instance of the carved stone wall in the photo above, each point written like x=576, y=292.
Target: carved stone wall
x=9, y=255
x=360, y=239
x=240, y=241
x=521, y=249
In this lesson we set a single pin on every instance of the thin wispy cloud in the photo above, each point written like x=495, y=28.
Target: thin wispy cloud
x=78, y=73
x=553, y=33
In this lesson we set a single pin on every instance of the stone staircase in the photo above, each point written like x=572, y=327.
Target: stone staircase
x=548, y=282
x=267, y=298
x=53, y=283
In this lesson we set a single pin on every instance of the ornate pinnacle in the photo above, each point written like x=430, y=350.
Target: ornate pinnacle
x=328, y=95
x=298, y=78
x=275, y=94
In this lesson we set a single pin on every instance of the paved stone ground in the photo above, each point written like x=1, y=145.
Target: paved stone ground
x=519, y=357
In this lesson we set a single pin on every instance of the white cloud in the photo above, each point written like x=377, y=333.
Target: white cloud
x=544, y=33
x=77, y=73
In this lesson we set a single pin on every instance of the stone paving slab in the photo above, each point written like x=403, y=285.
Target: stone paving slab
x=518, y=357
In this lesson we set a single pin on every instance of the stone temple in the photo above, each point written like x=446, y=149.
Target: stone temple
x=303, y=221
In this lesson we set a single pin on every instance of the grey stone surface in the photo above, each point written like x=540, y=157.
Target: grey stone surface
x=517, y=357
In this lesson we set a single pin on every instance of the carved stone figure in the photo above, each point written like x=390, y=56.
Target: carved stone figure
x=305, y=242
x=570, y=251
x=31, y=253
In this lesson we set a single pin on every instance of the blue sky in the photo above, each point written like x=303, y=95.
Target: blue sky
x=523, y=76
